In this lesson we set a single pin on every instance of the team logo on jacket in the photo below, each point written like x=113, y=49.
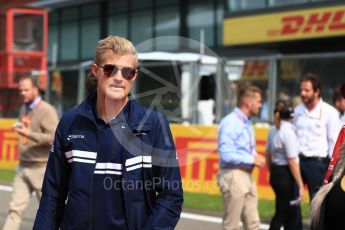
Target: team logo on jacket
x=75, y=136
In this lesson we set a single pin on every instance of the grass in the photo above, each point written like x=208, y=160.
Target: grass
x=213, y=203
x=6, y=176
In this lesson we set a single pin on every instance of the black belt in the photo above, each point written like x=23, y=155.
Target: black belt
x=246, y=169
x=321, y=159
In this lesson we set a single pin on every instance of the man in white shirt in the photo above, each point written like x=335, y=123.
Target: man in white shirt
x=317, y=124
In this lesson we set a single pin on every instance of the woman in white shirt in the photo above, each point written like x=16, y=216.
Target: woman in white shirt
x=285, y=176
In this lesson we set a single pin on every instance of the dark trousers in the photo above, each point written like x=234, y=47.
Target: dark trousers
x=285, y=189
x=313, y=172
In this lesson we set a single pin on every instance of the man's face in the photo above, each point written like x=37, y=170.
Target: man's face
x=27, y=91
x=308, y=95
x=114, y=87
x=255, y=104
x=340, y=105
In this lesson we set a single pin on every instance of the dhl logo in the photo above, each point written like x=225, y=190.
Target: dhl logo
x=255, y=69
x=317, y=22
x=287, y=25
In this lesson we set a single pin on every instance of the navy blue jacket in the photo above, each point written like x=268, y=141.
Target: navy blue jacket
x=148, y=156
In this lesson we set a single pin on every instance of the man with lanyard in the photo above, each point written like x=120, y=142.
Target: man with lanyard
x=237, y=154
x=317, y=125
x=38, y=121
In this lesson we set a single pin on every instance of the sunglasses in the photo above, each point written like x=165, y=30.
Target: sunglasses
x=127, y=72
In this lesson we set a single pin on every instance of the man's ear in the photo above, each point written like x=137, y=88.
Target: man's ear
x=37, y=91
x=94, y=70
x=318, y=92
x=135, y=76
x=246, y=102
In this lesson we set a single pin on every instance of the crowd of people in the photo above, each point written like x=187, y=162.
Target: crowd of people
x=110, y=136
x=299, y=148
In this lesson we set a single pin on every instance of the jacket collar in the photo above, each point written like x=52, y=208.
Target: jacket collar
x=138, y=118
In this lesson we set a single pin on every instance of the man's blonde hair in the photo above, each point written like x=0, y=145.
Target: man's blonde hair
x=118, y=45
x=246, y=91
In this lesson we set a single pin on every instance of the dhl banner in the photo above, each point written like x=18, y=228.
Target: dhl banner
x=255, y=70
x=284, y=26
x=196, y=148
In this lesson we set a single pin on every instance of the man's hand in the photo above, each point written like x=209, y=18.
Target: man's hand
x=259, y=160
x=21, y=130
x=301, y=193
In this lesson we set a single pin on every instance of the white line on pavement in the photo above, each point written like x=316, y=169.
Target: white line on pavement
x=184, y=215
x=211, y=219
x=192, y=216
x=6, y=188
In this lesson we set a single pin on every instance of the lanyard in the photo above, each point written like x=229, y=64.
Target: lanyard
x=336, y=153
x=26, y=120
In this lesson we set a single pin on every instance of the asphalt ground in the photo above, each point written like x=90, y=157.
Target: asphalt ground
x=190, y=219
x=29, y=216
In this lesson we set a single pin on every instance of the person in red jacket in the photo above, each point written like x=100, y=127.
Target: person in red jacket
x=328, y=204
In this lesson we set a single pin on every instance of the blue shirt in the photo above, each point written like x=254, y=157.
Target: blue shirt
x=236, y=141
x=33, y=104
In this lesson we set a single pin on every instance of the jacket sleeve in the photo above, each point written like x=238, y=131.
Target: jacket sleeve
x=333, y=127
x=55, y=186
x=168, y=185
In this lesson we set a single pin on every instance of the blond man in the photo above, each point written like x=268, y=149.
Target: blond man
x=114, y=163
x=238, y=157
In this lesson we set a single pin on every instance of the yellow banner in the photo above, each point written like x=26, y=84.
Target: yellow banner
x=198, y=157
x=8, y=144
x=284, y=26
x=196, y=148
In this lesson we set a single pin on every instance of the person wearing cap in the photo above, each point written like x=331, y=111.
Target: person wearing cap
x=317, y=124
x=283, y=164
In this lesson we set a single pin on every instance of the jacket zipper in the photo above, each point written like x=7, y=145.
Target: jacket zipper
x=94, y=175
x=95, y=125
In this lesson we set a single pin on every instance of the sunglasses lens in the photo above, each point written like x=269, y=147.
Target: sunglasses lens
x=108, y=70
x=128, y=73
